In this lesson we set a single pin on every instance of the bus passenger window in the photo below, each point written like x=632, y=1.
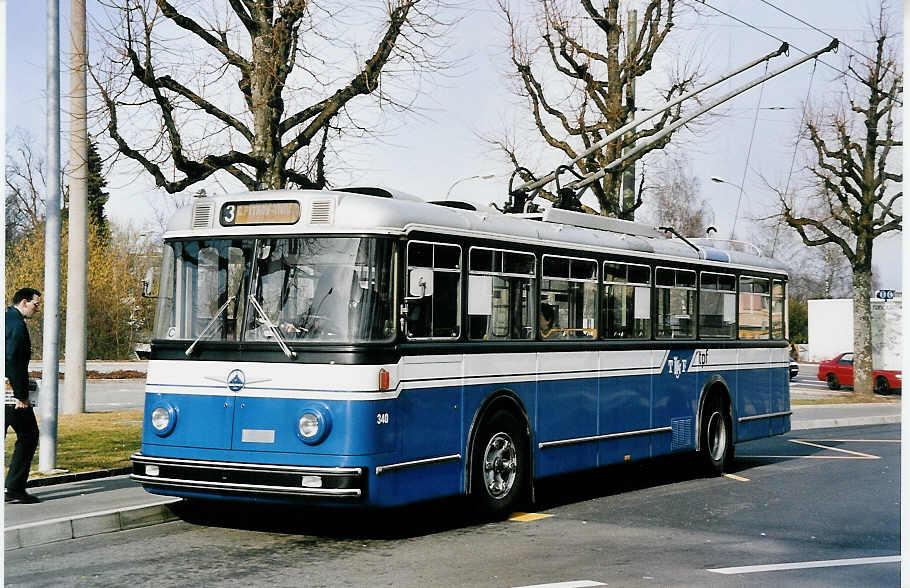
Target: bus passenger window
x=717, y=306
x=627, y=301
x=754, y=308
x=675, y=303
x=778, y=296
x=435, y=312
x=500, y=294
x=568, y=293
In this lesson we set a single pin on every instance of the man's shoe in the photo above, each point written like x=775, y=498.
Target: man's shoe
x=21, y=498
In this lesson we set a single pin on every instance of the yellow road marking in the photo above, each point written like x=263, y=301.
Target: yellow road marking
x=527, y=517
x=737, y=478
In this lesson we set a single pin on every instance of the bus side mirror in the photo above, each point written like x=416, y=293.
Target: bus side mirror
x=420, y=283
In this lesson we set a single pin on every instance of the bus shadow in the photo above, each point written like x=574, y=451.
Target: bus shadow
x=617, y=479
x=446, y=515
x=405, y=522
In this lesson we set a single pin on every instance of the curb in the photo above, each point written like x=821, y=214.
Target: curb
x=78, y=477
x=96, y=523
x=844, y=422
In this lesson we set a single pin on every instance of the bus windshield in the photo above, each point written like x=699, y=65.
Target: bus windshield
x=311, y=289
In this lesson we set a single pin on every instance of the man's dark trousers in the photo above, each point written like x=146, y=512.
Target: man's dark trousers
x=23, y=422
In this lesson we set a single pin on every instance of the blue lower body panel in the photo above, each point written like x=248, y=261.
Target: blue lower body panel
x=394, y=451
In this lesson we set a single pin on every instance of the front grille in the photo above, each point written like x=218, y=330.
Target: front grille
x=243, y=478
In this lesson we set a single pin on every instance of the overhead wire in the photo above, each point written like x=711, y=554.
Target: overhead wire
x=742, y=182
x=815, y=28
x=846, y=73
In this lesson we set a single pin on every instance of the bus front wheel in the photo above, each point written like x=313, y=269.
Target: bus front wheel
x=499, y=465
x=717, y=437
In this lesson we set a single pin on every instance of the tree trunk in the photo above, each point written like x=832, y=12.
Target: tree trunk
x=862, y=331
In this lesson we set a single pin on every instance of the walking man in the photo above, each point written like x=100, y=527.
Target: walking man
x=20, y=415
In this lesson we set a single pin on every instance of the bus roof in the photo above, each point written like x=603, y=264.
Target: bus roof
x=390, y=212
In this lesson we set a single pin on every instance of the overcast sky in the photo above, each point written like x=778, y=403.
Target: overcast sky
x=427, y=154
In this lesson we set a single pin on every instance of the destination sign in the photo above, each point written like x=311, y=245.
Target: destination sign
x=283, y=212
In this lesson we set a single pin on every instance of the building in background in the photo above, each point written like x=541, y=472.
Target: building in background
x=831, y=330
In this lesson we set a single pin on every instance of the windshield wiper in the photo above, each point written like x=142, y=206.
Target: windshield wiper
x=189, y=350
x=275, y=332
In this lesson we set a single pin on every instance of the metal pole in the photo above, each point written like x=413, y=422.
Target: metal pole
x=47, y=398
x=631, y=125
x=76, y=267
x=627, y=190
x=666, y=131
x=3, y=214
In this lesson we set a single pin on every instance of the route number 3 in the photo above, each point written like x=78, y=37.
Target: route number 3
x=382, y=418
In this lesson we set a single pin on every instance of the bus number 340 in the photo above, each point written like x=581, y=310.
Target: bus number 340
x=382, y=418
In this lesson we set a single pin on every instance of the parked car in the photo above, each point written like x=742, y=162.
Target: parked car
x=838, y=372
x=794, y=369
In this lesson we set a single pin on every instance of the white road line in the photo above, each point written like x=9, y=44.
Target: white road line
x=830, y=563
x=854, y=440
x=572, y=584
x=856, y=453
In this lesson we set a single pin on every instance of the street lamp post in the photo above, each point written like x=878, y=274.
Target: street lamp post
x=720, y=180
x=477, y=177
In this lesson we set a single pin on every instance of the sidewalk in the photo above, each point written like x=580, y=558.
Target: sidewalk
x=106, y=505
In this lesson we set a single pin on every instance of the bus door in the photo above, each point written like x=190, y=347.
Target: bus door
x=429, y=407
x=673, y=406
x=754, y=368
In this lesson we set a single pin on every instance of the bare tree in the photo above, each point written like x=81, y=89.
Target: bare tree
x=25, y=187
x=853, y=181
x=579, y=84
x=170, y=83
x=674, y=200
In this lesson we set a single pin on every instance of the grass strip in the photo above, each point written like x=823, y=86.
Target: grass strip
x=90, y=441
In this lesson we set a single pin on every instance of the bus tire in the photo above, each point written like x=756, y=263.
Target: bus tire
x=499, y=465
x=716, y=436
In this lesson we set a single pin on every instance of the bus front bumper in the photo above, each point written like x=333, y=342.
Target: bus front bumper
x=247, y=478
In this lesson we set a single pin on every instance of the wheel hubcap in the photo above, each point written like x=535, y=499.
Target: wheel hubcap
x=717, y=436
x=500, y=465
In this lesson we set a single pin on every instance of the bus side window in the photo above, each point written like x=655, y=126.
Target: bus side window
x=434, y=291
x=500, y=294
x=626, y=301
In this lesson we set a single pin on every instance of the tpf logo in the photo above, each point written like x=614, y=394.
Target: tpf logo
x=676, y=366
x=236, y=380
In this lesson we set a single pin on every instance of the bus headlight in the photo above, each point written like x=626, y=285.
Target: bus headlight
x=163, y=419
x=313, y=424
x=308, y=425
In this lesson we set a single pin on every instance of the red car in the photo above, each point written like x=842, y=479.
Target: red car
x=838, y=372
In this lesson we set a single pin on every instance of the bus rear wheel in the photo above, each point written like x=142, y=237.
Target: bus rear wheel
x=499, y=465
x=716, y=437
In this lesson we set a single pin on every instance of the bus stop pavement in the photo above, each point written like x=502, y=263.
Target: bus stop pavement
x=71, y=509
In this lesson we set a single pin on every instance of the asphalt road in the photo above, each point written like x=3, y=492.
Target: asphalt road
x=827, y=496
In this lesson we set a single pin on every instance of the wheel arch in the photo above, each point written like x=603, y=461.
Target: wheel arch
x=505, y=399
x=716, y=385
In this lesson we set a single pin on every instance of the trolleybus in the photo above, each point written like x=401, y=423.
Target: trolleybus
x=363, y=347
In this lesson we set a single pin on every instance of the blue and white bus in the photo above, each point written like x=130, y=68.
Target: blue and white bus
x=363, y=347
